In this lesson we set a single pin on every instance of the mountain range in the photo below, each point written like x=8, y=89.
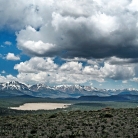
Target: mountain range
x=15, y=88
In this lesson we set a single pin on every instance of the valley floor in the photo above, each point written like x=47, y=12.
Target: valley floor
x=104, y=123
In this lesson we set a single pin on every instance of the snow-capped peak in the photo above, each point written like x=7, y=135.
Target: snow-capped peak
x=68, y=90
x=13, y=85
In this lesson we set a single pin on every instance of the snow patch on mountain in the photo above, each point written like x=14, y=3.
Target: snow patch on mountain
x=42, y=90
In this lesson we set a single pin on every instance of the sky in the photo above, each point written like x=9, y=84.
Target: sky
x=86, y=42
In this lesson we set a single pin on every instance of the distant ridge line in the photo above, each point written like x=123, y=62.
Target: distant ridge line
x=15, y=88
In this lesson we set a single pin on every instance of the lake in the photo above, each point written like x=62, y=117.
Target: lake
x=41, y=106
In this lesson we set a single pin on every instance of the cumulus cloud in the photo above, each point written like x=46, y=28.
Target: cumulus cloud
x=97, y=39
x=11, y=56
x=72, y=67
x=118, y=72
x=46, y=71
x=7, y=78
x=95, y=29
x=22, y=13
x=37, y=48
x=35, y=65
x=2, y=78
x=40, y=69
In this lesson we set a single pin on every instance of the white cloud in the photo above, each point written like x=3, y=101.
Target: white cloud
x=133, y=6
x=118, y=72
x=95, y=29
x=124, y=81
x=36, y=65
x=100, y=33
x=3, y=79
x=7, y=78
x=3, y=72
x=37, y=48
x=8, y=43
x=11, y=56
x=44, y=70
x=29, y=41
x=71, y=67
x=90, y=70
x=135, y=79
x=72, y=72
x=22, y=13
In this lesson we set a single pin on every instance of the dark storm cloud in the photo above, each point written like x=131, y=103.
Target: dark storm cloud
x=120, y=61
x=86, y=39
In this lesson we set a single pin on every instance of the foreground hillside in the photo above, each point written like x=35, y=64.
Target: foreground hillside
x=105, y=123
